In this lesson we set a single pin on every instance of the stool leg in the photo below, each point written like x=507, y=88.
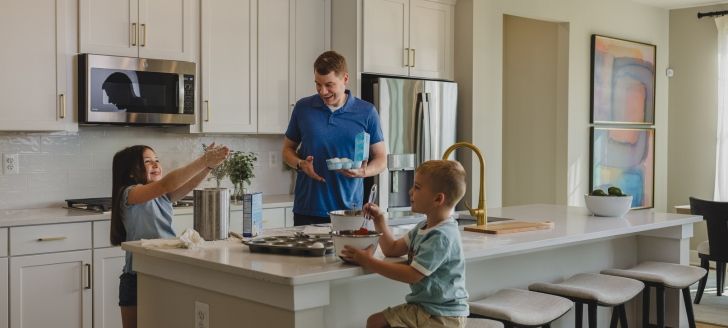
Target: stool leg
x=622, y=316
x=592, y=315
x=548, y=325
x=720, y=277
x=660, y=296
x=646, y=307
x=705, y=264
x=688, y=306
x=615, y=318
x=578, y=314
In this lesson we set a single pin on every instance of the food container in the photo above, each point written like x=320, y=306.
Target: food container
x=348, y=220
x=353, y=239
x=611, y=206
x=334, y=163
x=211, y=214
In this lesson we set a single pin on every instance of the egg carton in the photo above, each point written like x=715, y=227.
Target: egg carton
x=302, y=245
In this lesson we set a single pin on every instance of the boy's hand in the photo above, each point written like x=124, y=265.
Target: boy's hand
x=358, y=256
x=372, y=210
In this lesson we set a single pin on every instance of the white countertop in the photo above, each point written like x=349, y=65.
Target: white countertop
x=572, y=225
x=10, y=218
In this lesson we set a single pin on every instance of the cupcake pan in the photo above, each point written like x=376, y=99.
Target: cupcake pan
x=291, y=245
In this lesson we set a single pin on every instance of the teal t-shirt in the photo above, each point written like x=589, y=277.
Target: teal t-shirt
x=437, y=253
x=149, y=220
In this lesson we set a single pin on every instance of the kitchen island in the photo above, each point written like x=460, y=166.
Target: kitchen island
x=240, y=288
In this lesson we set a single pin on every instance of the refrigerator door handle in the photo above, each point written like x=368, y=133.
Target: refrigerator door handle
x=419, y=125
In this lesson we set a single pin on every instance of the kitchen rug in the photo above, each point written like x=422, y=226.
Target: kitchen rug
x=712, y=309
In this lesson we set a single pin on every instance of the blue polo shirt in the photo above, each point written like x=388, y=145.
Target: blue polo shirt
x=324, y=134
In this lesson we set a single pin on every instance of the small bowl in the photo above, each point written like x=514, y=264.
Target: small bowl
x=347, y=220
x=347, y=237
x=612, y=206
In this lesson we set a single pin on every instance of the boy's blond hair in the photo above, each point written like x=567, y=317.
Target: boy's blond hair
x=447, y=177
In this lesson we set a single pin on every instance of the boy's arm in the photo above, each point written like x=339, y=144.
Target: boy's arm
x=390, y=247
x=396, y=271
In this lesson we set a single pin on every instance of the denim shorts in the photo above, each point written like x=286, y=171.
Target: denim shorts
x=128, y=289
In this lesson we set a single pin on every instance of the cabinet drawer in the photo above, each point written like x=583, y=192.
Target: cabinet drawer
x=50, y=238
x=102, y=231
x=274, y=218
x=3, y=242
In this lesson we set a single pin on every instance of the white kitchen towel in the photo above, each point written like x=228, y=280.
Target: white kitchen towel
x=188, y=239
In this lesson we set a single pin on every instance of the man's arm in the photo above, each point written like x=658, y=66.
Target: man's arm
x=291, y=158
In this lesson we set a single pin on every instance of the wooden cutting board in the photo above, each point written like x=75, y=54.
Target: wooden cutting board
x=504, y=227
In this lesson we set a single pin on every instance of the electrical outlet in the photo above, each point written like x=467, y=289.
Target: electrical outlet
x=273, y=158
x=202, y=315
x=10, y=164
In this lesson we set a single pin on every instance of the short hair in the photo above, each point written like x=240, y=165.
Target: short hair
x=330, y=61
x=447, y=177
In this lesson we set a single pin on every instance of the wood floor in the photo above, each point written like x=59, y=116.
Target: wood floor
x=706, y=325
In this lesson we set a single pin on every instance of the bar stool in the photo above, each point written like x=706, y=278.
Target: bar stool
x=520, y=308
x=661, y=275
x=595, y=289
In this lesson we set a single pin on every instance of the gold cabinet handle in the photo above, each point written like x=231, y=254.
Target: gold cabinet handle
x=413, y=58
x=62, y=106
x=51, y=238
x=207, y=111
x=88, y=275
x=143, y=28
x=133, y=35
x=406, y=56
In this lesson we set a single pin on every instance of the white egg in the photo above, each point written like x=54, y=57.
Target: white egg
x=335, y=160
x=317, y=245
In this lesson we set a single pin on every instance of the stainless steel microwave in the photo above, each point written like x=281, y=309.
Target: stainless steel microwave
x=135, y=91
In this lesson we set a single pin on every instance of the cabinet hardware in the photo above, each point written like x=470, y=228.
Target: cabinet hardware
x=143, y=28
x=133, y=34
x=88, y=276
x=412, y=62
x=51, y=238
x=62, y=106
x=406, y=57
x=207, y=111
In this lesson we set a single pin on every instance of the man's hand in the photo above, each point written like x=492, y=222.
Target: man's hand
x=306, y=166
x=355, y=173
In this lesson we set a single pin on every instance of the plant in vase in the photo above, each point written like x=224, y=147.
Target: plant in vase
x=240, y=170
x=219, y=172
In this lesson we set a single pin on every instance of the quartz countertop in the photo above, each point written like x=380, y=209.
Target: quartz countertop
x=572, y=225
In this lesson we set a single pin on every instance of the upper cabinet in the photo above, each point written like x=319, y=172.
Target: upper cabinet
x=408, y=37
x=160, y=29
x=256, y=60
x=38, y=47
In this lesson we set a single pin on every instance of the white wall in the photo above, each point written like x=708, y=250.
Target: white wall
x=617, y=18
x=64, y=165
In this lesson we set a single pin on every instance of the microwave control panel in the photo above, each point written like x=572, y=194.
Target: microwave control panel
x=189, y=97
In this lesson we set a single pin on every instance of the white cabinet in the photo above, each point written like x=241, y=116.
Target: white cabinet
x=38, y=42
x=108, y=266
x=409, y=37
x=4, y=295
x=255, y=55
x=160, y=29
x=51, y=290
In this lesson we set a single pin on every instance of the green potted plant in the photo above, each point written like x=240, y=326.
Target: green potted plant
x=239, y=167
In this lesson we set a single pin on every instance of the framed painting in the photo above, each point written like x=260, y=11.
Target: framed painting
x=622, y=81
x=625, y=158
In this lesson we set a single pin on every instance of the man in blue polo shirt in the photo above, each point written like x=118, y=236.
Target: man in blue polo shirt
x=325, y=126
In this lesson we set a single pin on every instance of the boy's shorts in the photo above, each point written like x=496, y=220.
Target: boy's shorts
x=413, y=315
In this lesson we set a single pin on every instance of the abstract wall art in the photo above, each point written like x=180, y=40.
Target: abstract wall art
x=624, y=157
x=622, y=81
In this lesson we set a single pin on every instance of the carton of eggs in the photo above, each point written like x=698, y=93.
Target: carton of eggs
x=342, y=163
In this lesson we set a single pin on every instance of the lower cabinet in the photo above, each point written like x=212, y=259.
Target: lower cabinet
x=4, y=297
x=51, y=290
x=108, y=265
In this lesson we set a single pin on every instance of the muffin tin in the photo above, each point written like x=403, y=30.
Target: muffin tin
x=303, y=245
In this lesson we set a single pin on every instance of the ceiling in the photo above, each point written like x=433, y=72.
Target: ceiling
x=674, y=4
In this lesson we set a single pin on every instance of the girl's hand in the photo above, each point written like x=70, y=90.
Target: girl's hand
x=358, y=256
x=214, y=156
x=372, y=210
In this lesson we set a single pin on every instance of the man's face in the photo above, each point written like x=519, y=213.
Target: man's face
x=331, y=88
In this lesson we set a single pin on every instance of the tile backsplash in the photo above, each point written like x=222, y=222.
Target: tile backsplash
x=63, y=165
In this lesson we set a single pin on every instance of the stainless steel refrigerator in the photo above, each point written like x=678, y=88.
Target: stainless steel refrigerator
x=419, y=122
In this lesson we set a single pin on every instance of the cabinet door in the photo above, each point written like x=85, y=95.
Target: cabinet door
x=108, y=265
x=33, y=63
x=180, y=222
x=289, y=216
x=228, y=66
x=4, y=296
x=274, y=218
x=51, y=290
x=386, y=36
x=166, y=29
x=109, y=27
x=431, y=35
x=311, y=39
x=274, y=27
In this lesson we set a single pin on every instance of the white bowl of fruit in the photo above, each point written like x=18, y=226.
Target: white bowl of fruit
x=612, y=203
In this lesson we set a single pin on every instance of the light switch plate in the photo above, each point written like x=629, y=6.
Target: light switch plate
x=10, y=164
x=202, y=315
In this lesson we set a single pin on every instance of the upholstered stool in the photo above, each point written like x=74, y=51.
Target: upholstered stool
x=520, y=308
x=595, y=289
x=661, y=275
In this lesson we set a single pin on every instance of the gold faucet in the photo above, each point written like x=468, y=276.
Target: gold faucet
x=481, y=212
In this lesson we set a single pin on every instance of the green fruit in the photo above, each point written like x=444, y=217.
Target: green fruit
x=598, y=192
x=614, y=191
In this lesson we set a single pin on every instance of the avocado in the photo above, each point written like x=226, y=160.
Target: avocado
x=614, y=191
x=598, y=192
